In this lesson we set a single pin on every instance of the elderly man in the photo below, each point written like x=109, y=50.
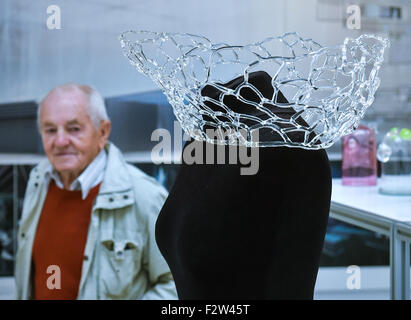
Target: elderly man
x=88, y=221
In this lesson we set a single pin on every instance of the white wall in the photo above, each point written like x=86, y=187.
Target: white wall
x=33, y=59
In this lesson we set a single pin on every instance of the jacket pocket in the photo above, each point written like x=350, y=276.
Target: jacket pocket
x=120, y=262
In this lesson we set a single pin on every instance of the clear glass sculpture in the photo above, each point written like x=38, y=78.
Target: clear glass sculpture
x=282, y=91
x=394, y=152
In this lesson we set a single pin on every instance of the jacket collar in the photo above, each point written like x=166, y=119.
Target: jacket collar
x=116, y=190
x=90, y=177
x=116, y=178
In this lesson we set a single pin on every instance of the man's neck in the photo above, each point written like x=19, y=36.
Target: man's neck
x=83, y=179
x=67, y=178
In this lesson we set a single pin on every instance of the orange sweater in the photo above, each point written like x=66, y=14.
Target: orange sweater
x=60, y=241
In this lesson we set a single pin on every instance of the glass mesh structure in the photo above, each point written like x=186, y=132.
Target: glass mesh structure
x=282, y=91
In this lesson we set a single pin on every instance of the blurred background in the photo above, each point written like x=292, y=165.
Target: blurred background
x=34, y=58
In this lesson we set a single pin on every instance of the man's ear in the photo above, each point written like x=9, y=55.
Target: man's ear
x=104, y=130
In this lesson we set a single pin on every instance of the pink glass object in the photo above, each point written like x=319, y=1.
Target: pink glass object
x=359, y=161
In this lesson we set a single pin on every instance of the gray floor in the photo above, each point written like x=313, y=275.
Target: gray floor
x=331, y=284
x=373, y=283
x=7, y=288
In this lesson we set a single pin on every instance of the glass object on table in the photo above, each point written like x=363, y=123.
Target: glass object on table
x=359, y=162
x=395, y=154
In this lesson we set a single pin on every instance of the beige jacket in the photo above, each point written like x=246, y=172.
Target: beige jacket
x=121, y=258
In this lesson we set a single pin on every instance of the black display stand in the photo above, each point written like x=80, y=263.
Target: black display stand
x=232, y=236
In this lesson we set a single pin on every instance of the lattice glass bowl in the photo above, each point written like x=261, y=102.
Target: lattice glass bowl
x=282, y=91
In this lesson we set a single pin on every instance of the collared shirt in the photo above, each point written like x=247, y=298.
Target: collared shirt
x=89, y=178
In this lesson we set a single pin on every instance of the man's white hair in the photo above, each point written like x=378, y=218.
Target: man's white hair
x=96, y=107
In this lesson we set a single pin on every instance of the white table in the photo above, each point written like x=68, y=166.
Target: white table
x=389, y=215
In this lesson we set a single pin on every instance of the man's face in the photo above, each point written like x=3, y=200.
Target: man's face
x=69, y=137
